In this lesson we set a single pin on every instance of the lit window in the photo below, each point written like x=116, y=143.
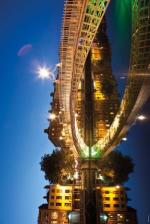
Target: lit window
x=116, y=192
x=68, y=204
x=54, y=215
x=54, y=222
x=67, y=198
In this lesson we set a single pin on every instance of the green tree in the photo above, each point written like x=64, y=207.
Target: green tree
x=58, y=166
x=116, y=167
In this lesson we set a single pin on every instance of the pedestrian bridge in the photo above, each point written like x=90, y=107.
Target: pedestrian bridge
x=80, y=24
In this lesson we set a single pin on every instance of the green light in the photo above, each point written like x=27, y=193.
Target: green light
x=95, y=153
x=122, y=14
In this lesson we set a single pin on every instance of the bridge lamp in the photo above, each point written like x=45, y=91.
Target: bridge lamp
x=76, y=175
x=43, y=72
x=52, y=116
x=101, y=177
x=141, y=117
x=76, y=115
x=63, y=132
x=103, y=217
x=124, y=139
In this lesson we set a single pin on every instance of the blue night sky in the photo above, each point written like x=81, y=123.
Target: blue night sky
x=25, y=104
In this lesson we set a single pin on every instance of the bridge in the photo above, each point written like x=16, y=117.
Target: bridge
x=80, y=24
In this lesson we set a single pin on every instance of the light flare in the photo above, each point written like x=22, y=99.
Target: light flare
x=43, y=73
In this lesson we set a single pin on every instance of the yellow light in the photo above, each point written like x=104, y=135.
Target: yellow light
x=52, y=116
x=76, y=175
x=63, y=132
x=117, y=186
x=76, y=115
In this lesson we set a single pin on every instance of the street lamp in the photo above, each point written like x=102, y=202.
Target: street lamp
x=43, y=72
x=124, y=139
x=141, y=117
x=52, y=116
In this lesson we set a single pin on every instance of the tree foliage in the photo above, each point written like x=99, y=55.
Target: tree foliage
x=116, y=167
x=57, y=166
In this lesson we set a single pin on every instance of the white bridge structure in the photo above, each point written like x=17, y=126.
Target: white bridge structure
x=80, y=24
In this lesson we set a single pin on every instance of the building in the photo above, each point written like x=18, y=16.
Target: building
x=61, y=201
x=64, y=205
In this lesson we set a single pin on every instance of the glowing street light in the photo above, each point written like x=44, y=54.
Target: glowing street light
x=124, y=139
x=76, y=175
x=43, y=73
x=76, y=115
x=141, y=117
x=101, y=177
x=52, y=116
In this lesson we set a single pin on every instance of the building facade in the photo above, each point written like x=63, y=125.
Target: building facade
x=63, y=205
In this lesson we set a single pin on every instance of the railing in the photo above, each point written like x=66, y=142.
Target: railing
x=81, y=21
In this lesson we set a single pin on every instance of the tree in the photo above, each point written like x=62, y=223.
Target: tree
x=116, y=167
x=57, y=166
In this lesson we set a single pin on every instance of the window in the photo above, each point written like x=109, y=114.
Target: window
x=68, y=204
x=116, y=199
x=59, y=191
x=76, y=196
x=54, y=215
x=116, y=205
x=107, y=205
x=52, y=197
x=58, y=197
x=106, y=192
x=52, y=204
x=67, y=191
x=58, y=204
x=77, y=204
x=106, y=198
x=53, y=190
x=116, y=192
x=67, y=198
